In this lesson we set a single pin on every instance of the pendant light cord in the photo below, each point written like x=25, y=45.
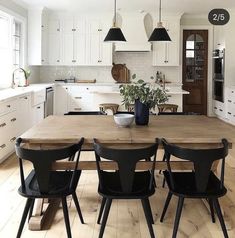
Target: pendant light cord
x=115, y=14
x=160, y=10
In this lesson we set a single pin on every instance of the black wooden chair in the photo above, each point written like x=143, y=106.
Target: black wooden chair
x=201, y=183
x=174, y=114
x=125, y=183
x=44, y=183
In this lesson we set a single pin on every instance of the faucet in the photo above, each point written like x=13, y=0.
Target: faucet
x=13, y=85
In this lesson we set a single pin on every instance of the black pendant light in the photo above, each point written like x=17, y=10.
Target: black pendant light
x=160, y=32
x=115, y=33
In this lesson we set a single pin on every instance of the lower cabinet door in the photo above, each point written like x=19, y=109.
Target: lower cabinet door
x=38, y=113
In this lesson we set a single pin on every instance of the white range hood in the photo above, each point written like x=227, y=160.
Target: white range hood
x=134, y=31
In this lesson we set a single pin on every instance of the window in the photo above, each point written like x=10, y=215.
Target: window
x=16, y=38
x=11, y=47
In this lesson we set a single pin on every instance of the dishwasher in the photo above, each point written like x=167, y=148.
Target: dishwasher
x=49, y=102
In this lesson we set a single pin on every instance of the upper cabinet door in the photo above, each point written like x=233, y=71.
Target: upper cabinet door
x=37, y=37
x=68, y=40
x=99, y=52
x=55, y=42
x=167, y=53
x=74, y=41
x=79, y=44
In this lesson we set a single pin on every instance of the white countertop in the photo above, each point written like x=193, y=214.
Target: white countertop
x=11, y=93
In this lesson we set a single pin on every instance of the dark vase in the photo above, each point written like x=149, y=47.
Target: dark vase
x=141, y=113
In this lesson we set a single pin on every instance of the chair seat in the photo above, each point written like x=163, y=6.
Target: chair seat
x=60, y=178
x=185, y=185
x=113, y=189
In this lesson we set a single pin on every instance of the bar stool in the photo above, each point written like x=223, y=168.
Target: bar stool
x=131, y=108
x=105, y=106
x=165, y=107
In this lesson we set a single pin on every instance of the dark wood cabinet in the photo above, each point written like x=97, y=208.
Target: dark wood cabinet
x=195, y=57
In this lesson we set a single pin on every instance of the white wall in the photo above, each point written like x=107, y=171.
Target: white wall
x=229, y=30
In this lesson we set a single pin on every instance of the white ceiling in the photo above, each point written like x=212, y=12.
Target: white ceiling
x=186, y=6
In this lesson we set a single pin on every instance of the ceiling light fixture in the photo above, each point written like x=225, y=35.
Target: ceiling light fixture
x=115, y=33
x=160, y=32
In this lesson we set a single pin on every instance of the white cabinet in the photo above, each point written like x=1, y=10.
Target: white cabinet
x=55, y=42
x=167, y=53
x=24, y=113
x=37, y=113
x=219, y=37
x=219, y=109
x=61, y=96
x=80, y=99
x=230, y=104
x=37, y=37
x=8, y=127
x=98, y=51
x=74, y=41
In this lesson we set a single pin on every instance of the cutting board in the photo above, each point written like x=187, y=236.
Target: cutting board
x=85, y=81
x=120, y=73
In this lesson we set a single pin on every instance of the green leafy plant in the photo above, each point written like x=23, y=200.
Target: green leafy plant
x=148, y=94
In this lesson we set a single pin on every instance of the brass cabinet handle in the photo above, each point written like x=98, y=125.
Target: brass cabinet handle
x=13, y=119
x=3, y=124
x=2, y=146
x=12, y=139
x=77, y=109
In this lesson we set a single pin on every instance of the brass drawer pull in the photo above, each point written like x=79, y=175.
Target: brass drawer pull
x=12, y=139
x=77, y=109
x=3, y=124
x=13, y=119
x=2, y=146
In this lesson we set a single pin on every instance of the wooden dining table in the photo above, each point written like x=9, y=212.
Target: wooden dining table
x=185, y=130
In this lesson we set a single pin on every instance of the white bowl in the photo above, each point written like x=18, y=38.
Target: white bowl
x=123, y=119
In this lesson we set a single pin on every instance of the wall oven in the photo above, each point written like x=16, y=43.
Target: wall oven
x=218, y=75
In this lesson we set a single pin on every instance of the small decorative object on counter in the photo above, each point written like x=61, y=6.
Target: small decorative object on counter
x=145, y=96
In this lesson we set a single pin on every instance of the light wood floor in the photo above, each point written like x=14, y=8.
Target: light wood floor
x=126, y=218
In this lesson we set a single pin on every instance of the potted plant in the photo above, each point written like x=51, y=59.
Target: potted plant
x=144, y=95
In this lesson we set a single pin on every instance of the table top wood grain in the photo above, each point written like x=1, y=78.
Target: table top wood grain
x=180, y=129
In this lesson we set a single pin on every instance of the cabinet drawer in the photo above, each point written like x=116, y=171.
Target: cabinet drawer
x=8, y=106
x=230, y=94
x=38, y=97
x=74, y=90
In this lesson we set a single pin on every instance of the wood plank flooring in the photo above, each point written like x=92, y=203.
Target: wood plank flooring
x=126, y=219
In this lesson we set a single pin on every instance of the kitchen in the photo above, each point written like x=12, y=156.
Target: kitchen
x=69, y=68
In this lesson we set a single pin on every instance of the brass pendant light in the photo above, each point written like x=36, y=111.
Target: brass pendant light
x=115, y=33
x=160, y=32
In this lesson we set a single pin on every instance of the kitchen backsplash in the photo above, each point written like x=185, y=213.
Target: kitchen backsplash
x=139, y=63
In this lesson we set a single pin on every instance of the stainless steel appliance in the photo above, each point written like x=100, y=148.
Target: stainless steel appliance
x=218, y=74
x=49, y=102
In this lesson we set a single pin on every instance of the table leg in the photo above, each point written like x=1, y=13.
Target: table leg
x=43, y=214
